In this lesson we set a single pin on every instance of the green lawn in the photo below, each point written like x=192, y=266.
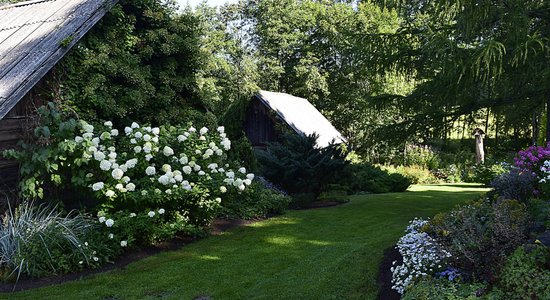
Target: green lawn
x=329, y=253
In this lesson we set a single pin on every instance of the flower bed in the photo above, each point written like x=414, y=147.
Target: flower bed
x=147, y=184
x=468, y=251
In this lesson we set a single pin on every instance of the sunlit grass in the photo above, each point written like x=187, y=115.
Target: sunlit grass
x=329, y=253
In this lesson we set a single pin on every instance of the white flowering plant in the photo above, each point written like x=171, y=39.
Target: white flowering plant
x=123, y=229
x=422, y=256
x=183, y=170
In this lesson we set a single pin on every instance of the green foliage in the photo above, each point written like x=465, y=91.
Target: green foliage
x=49, y=160
x=138, y=63
x=335, y=193
x=526, y=274
x=468, y=57
x=514, y=184
x=485, y=173
x=298, y=166
x=303, y=199
x=364, y=177
x=539, y=212
x=441, y=289
x=255, y=202
x=450, y=174
x=421, y=155
x=479, y=234
x=140, y=229
x=230, y=72
x=179, y=169
x=415, y=174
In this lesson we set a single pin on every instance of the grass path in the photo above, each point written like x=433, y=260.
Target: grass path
x=329, y=253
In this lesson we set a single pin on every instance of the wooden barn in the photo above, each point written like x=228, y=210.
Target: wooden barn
x=268, y=110
x=34, y=36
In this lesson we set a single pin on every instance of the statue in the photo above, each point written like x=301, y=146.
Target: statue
x=480, y=154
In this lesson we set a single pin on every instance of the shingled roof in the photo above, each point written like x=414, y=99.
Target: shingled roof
x=35, y=35
x=302, y=116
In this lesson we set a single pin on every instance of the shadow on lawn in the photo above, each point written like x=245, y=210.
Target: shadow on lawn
x=464, y=186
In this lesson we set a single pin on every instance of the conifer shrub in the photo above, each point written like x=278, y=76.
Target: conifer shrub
x=298, y=166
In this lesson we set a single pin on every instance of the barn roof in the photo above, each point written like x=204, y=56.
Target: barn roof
x=302, y=116
x=35, y=35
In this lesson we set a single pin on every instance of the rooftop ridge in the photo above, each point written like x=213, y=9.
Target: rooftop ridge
x=23, y=3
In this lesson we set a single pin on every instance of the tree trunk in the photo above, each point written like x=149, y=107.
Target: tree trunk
x=516, y=137
x=536, y=125
x=464, y=127
x=487, y=121
x=496, y=130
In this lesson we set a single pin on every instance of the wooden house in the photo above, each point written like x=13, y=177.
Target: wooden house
x=268, y=110
x=34, y=36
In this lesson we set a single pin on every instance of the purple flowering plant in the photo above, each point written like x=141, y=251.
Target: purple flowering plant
x=535, y=160
x=532, y=158
x=450, y=274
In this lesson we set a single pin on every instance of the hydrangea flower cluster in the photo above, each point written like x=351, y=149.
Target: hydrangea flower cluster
x=151, y=165
x=422, y=256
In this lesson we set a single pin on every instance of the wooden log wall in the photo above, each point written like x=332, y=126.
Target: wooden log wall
x=12, y=128
x=259, y=124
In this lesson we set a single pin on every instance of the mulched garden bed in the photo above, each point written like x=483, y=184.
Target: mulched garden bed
x=385, y=275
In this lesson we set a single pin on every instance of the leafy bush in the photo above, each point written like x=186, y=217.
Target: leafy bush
x=364, y=177
x=515, y=184
x=480, y=233
x=441, y=289
x=539, y=214
x=485, y=173
x=128, y=229
x=421, y=155
x=182, y=170
x=140, y=63
x=526, y=274
x=336, y=193
x=450, y=174
x=532, y=158
x=255, y=202
x=49, y=158
x=298, y=166
x=38, y=240
x=416, y=174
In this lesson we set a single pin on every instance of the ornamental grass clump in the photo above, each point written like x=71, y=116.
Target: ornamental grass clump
x=40, y=240
x=422, y=256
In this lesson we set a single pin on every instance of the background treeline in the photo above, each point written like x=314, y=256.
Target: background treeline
x=386, y=73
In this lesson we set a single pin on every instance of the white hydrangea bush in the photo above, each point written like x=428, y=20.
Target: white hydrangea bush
x=422, y=256
x=183, y=170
